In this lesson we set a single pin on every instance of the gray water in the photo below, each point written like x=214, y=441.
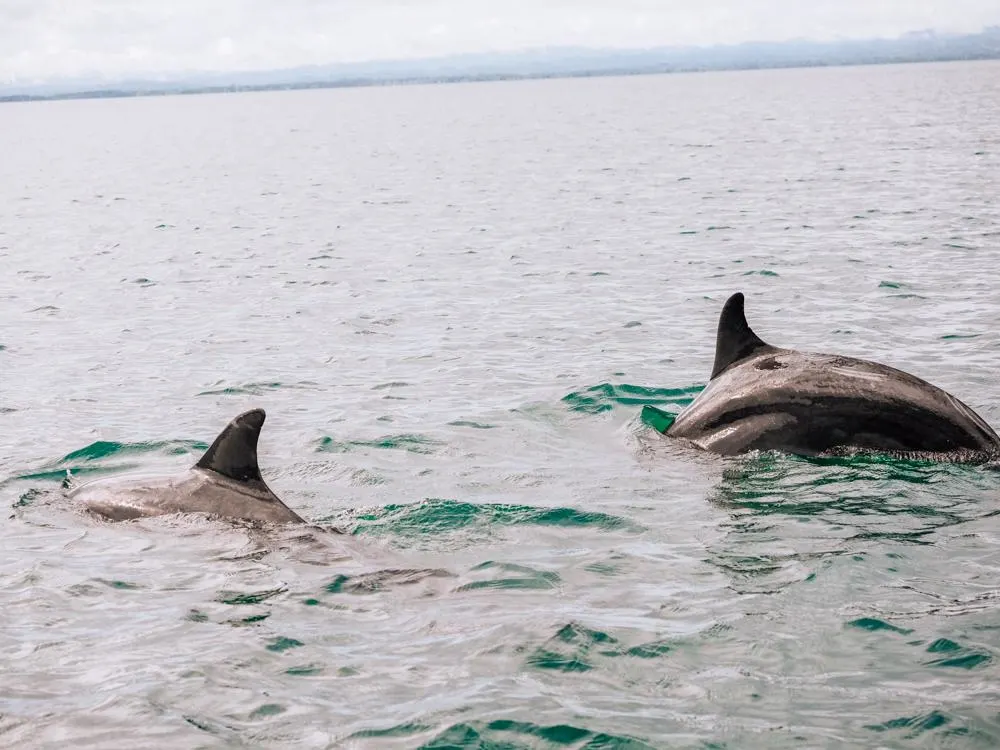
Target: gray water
x=453, y=302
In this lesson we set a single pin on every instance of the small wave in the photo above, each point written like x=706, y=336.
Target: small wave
x=393, y=384
x=407, y=442
x=911, y=727
x=853, y=505
x=242, y=598
x=60, y=475
x=304, y=670
x=953, y=654
x=438, y=516
x=256, y=389
x=511, y=576
x=370, y=583
x=873, y=625
x=506, y=733
x=606, y=396
x=575, y=648
x=281, y=643
x=106, y=448
x=658, y=419
x=80, y=462
x=400, y=730
x=474, y=425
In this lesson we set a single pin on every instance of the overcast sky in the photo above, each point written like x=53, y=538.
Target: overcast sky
x=46, y=39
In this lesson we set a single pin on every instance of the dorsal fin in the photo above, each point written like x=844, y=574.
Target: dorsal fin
x=234, y=452
x=735, y=340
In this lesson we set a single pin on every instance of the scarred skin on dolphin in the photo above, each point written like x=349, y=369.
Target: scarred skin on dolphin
x=226, y=482
x=761, y=397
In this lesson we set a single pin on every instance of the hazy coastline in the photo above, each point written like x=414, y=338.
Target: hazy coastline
x=923, y=46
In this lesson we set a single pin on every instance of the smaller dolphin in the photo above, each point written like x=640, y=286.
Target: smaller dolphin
x=225, y=482
x=760, y=397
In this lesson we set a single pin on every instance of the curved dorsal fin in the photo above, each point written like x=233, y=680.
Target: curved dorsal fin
x=234, y=452
x=735, y=340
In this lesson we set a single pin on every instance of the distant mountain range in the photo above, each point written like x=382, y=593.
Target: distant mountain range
x=922, y=46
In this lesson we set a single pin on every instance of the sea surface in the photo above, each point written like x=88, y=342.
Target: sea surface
x=454, y=303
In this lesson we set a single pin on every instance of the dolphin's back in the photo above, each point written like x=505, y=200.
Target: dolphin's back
x=195, y=491
x=812, y=403
x=225, y=482
x=761, y=397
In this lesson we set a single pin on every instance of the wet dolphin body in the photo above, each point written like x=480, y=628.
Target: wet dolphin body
x=225, y=482
x=761, y=397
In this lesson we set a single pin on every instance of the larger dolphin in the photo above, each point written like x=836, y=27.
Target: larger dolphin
x=225, y=482
x=761, y=397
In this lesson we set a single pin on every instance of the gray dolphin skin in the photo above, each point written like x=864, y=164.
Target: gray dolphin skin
x=764, y=398
x=226, y=482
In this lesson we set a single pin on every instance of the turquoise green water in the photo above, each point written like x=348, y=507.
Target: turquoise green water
x=468, y=311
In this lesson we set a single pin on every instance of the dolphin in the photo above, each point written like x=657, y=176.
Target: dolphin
x=761, y=397
x=226, y=482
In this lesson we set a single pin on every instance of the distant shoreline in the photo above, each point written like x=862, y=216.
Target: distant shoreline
x=541, y=65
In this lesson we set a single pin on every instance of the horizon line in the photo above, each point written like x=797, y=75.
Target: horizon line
x=598, y=62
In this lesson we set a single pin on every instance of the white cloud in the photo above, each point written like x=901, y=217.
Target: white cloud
x=42, y=39
x=225, y=47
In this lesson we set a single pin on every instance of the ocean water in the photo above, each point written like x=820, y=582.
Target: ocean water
x=454, y=302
